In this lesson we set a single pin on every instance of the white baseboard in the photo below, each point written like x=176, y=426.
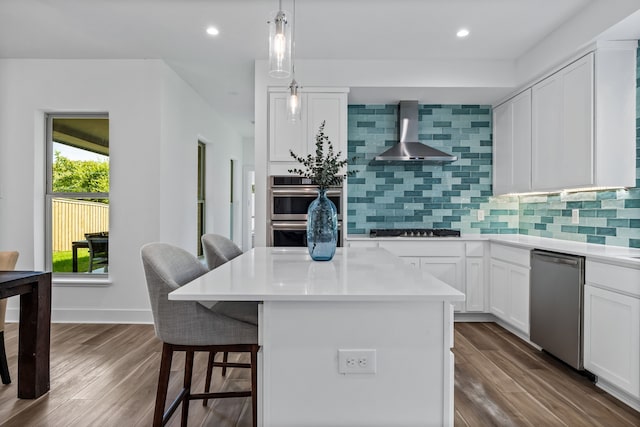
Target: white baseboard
x=474, y=317
x=91, y=316
x=620, y=395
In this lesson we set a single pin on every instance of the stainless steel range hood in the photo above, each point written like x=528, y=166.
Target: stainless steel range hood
x=408, y=148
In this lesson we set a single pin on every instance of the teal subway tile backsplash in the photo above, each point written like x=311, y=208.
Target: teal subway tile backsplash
x=388, y=195
x=422, y=195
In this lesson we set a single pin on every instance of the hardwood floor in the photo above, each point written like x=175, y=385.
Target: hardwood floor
x=105, y=375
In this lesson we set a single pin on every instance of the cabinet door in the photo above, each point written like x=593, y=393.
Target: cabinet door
x=562, y=128
x=284, y=135
x=521, y=117
x=518, y=314
x=332, y=109
x=448, y=269
x=546, y=152
x=502, y=149
x=475, y=284
x=612, y=338
x=577, y=142
x=512, y=145
x=499, y=289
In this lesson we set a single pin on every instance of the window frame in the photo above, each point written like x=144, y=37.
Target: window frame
x=50, y=194
x=201, y=207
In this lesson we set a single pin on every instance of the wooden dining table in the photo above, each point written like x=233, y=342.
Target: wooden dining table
x=34, y=288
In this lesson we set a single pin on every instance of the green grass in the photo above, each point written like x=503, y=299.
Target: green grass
x=62, y=261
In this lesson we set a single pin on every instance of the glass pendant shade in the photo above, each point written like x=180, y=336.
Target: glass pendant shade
x=294, y=103
x=280, y=46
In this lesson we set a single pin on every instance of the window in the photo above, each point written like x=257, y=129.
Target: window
x=77, y=197
x=201, y=190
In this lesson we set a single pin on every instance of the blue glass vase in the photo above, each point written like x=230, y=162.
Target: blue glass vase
x=322, y=228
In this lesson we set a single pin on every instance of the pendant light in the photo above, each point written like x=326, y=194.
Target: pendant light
x=294, y=104
x=280, y=45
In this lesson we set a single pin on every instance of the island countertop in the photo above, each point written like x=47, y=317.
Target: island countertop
x=289, y=274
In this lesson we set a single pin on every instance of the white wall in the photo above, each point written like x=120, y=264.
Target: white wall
x=155, y=122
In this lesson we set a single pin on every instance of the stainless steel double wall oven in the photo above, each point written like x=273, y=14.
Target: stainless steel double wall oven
x=288, y=201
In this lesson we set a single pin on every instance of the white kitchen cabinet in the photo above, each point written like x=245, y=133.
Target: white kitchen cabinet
x=509, y=285
x=318, y=105
x=582, y=125
x=499, y=289
x=443, y=259
x=612, y=328
x=562, y=128
x=448, y=269
x=512, y=145
x=474, y=277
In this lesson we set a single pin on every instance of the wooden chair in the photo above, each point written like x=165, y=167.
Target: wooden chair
x=98, y=250
x=189, y=326
x=8, y=261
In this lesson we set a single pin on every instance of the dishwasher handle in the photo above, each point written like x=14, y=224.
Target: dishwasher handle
x=552, y=257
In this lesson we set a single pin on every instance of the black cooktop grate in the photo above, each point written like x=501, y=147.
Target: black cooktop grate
x=413, y=232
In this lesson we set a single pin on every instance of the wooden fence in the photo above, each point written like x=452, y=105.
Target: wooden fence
x=70, y=219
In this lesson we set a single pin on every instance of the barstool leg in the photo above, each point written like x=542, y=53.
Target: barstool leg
x=225, y=358
x=188, y=372
x=254, y=384
x=207, y=383
x=163, y=384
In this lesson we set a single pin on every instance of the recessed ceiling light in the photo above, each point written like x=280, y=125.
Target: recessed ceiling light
x=462, y=32
x=212, y=31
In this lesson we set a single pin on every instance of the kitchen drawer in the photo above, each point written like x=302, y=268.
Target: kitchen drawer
x=475, y=249
x=616, y=278
x=511, y=255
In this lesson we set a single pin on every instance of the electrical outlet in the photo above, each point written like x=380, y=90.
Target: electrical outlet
x=575, y=216
x=480, y=214
x=357, y=361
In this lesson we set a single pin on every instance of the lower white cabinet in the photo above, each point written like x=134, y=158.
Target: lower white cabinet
x=457, y=263
x=612, y=326
x=509, y=286
x=448, y=269
x=475, y=272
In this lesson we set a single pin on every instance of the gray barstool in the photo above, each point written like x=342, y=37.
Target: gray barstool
x=188, y=326
x=217, y=251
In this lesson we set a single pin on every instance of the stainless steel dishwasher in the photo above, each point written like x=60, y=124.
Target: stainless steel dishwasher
x=557, y=283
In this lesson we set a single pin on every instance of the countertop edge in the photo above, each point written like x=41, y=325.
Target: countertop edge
x=617, y=255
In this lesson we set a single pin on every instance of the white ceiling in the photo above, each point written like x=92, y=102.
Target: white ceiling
x=221, y=69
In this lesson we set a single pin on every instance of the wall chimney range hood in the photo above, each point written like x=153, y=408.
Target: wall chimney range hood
x=408, y=148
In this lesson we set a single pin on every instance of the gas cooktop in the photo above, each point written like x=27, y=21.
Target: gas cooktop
x=413, y=232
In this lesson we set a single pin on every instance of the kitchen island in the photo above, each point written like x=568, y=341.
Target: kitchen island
x=362, y=340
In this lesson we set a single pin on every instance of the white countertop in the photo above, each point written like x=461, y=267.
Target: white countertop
x=289, y=274
x=606, y=253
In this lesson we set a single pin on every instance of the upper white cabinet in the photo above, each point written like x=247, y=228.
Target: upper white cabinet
x=318, y=105
x=581, y=127
x=512, y=145
x=562, y=128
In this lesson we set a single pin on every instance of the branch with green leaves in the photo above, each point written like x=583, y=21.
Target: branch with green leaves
x=324, y=171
